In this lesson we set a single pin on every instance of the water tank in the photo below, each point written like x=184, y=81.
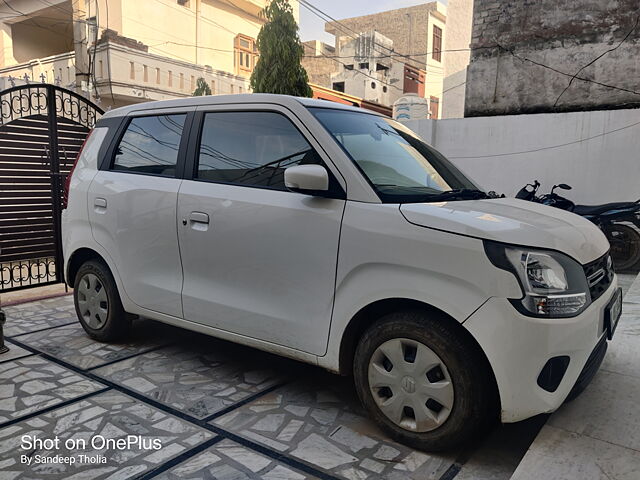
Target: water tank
x=411, y=107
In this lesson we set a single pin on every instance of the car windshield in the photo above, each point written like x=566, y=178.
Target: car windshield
x=398, y=164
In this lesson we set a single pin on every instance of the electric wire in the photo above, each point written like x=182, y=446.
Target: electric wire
x=550, y=147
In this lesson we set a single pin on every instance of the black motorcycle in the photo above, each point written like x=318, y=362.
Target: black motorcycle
x=612, y=218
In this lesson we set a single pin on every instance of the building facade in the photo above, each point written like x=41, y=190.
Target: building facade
x=371, y=73
x=386, y=48
x=133, y=50
x=456, y=56
x=318, y=62
x=525, y=54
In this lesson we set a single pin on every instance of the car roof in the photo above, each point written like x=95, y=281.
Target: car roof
x=247, y=98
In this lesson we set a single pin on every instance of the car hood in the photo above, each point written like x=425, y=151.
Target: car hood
x=513, y=221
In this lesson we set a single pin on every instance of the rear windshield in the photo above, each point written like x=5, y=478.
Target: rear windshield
x=396, y=162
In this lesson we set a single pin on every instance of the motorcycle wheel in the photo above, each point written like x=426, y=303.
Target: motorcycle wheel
x=625, y=245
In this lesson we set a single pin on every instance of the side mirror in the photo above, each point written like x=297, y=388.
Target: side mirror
x=307, y=179
x=564, y=186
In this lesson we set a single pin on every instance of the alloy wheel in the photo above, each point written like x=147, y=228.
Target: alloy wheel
x=92, y=301
x=411, y=385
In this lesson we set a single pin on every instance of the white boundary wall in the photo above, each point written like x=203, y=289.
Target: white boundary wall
x=597, y=153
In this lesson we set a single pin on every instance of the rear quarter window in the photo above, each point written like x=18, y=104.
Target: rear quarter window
x=150, y=145
x=89, y=156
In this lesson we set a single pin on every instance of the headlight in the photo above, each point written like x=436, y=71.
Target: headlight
x=553, y=284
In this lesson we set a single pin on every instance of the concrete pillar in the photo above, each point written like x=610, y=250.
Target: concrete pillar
x=6, y=46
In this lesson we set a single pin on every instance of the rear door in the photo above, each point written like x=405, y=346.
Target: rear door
x=258, y=260
x=132, y=208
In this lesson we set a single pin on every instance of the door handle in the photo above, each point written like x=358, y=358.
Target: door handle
x=100, y=205
x=199, y=217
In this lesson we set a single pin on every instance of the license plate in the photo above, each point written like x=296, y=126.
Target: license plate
x=612, y=313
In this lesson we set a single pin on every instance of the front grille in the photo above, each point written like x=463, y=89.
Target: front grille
x=599, y=275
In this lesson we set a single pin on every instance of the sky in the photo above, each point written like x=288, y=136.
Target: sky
x=312, y=27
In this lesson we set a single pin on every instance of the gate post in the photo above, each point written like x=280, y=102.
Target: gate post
x=56, y=184
x=3, y=347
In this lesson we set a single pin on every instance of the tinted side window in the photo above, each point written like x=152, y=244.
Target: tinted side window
x=150, y=145
x=251, y=148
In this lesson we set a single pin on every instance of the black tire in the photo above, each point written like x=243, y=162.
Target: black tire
x=625, y=245
x=475, y=401
x=116, y=323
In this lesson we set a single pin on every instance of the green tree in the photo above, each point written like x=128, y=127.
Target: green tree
x=202, y=88
x=278, y=69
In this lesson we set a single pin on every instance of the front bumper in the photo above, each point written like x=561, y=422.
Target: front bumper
x=518, y=348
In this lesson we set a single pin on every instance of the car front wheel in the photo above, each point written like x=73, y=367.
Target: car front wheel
x=423, y=382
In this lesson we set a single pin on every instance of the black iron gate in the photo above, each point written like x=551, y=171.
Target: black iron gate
x=42, y=128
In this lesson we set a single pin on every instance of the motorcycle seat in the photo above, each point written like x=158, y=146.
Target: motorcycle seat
x=599, y=209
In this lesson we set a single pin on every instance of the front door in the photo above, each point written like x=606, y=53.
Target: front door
x=132, y=208
x=258, y=260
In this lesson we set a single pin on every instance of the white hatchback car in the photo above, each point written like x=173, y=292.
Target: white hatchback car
x=337, y=237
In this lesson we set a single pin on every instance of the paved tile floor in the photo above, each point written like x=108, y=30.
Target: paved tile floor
x=198, y=380
x=111, y=415
x=221, y=411
x=71, y=344
x=30, y=384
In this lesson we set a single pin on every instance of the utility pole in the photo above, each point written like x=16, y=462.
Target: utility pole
x=198, y=14
x=80, y=45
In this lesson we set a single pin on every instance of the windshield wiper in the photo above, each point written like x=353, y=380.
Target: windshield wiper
x=458, y=194
x=417, y=196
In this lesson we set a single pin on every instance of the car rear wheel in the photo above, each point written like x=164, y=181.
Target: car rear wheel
x=98, y=304
x=423, y=382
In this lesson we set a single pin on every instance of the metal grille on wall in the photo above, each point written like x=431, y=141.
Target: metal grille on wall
x=42, y=128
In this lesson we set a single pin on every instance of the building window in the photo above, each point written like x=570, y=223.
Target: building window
x=184, y=3
x=245, y=55
x=436, y=52
x=170, y=78
x=434, y=104
x=158, y=76
x=193, y=83
x=132, y=70
x=213, y=87
x=338, y=86
x=239, y=89
x=413, y=81
x=145, y=74
x=231, y=87
x=100, y=71
x=182, y=81
x=373, y=85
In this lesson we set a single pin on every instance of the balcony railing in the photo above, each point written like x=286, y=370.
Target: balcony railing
x=131, y=75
